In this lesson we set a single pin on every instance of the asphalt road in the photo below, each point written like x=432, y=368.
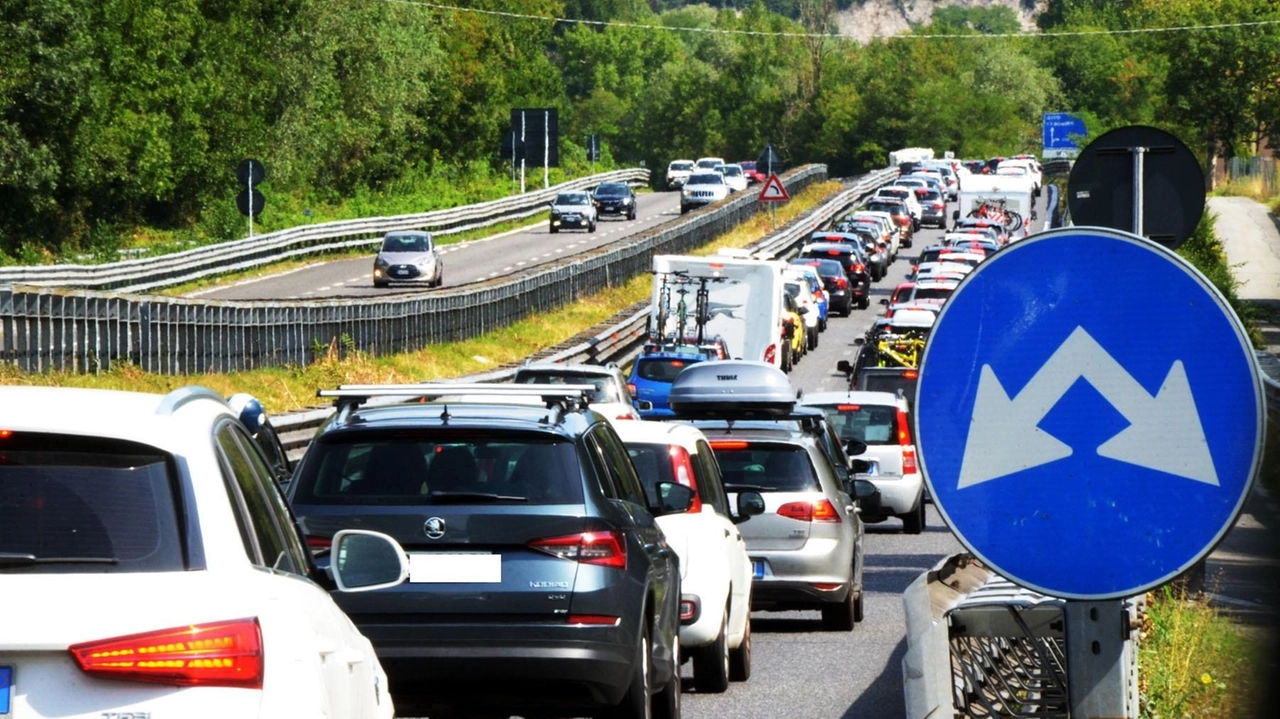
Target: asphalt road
x=464, y=262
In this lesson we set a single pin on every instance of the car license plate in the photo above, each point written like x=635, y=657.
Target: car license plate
x=455, y=568
x=6, y=690
x=757, y=568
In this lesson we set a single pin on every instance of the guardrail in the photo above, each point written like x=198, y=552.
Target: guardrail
x=980, y=646
x=44, y=328
x=145, y=274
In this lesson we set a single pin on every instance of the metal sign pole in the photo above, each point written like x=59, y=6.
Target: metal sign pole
x=1139, y=155
x=522, y=144
x=250, y=183
x=546, y=150
x=1097, y=673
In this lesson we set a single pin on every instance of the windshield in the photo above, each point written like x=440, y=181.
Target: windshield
x=572, y=198
x=439, y=467
x=681, y=166
x=406, y=243
x=612, y=190
x=730, y=171
x=706, y=178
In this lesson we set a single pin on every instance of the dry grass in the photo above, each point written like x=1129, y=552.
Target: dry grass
x=291, y=388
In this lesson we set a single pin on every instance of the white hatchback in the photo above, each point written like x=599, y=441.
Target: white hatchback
x=150, y=568
x=881, y=420
x=715, y=571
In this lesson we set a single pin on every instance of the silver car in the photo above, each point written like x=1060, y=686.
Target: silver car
x=408, y=256
x=573, y=209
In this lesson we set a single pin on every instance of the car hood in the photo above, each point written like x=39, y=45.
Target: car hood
x=404, y=257
x=571, y=208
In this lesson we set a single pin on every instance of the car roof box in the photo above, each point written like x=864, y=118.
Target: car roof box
x=732, y=388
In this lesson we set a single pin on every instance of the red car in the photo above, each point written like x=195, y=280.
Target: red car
x=753, y=175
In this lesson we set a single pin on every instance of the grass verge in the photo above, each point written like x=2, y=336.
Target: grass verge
x=1194, y=662
x=289, y=388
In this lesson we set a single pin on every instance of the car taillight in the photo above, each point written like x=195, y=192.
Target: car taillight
x=6, y=433
x=728, y=444
x=771, y=354
x=909, y=460
x=820, y=511
x=594, y=620
x=911, y=374
x=859, y=268
x=605, y=549
x=833, y=253
x=841, y=283
x=904, y=431
x=682, y=471
x=631, y=388
x=319, y=543
x=226, y=654
x=848, y=407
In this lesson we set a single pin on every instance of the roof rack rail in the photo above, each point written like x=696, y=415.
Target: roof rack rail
x=565, y=395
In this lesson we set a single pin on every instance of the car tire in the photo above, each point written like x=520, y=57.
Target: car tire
x=631, y=215
x=864, y=303
x=786, y=364
x=840, y=617
x=666, y=702
x=711, y=663
x=810, y=339
x=913, y=521
x=740, y=658
x=591, y=227
x=636, y=703
x=858, y=612
x=379, y=285
x=554, y=229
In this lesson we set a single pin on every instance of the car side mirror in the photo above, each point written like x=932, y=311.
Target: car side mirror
x=858, y=341
x=844, y=367
x=802, y=310
x=855, y=447
x=884, y=301
x=955, y=215
x=673, y=498
x=644, y=405
x=867, y=496
x=750, y=504
x=362, y=561
x=859, y=466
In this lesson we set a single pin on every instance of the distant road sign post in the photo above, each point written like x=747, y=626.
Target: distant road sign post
x=1058, y=129
x=773, y=191
x=1085, y=448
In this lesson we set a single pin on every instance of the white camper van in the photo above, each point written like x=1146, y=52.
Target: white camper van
x=742, y=303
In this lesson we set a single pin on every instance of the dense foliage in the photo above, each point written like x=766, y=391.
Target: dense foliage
x=124, y=117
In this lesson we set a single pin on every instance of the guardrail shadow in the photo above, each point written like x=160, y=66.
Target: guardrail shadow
x=883, y=698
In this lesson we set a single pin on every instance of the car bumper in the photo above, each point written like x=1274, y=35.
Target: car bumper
x=790, y=576
x=577, y=223
x=898, y=494
x=614, y=210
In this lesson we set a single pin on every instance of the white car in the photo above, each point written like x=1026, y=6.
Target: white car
x=150, y=568
x=677, y=172
x=715, y=571
x=880, y=420
x=707, y=163
x=610, y=397
x=701, y=189
x=734, y=177
x=907, y=195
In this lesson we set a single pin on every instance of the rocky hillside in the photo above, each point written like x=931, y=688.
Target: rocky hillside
x=878, y=18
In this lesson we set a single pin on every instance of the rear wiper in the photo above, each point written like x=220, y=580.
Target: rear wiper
x=440, y=497
x=13, y=559
x=746, y=488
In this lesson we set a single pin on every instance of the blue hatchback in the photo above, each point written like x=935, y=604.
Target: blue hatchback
x=651, y=376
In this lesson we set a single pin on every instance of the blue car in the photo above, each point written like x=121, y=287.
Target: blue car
x=651, y=376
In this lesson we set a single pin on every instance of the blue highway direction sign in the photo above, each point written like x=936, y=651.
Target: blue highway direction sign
x=1058, y=129
x=1085, y=443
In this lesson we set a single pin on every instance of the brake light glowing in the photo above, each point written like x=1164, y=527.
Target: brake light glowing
x=6, y=433
x=319, y=543
x=682, y=471
x=677, y=363
x=728, y=444
x=904, y=431
x=841, y=282
x=859, y=268
x=227, y=654
x=848, y=407
x=605, y=549
x=833, y=253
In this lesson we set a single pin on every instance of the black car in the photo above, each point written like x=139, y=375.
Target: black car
x=615, y=198
x=834, y=281
x=539, y=581
x=853, y=260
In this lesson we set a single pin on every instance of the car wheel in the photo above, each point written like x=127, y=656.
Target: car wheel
x=554, y=229
x=858, y=613
x=632, y=215
x=740, y=658
x=666, y=703
x=786, y=357
x=635, y=704
x=913, y=521
x=379, y=284
x=864, y=303
x=840, y=617
x=591, y=227
x=711, y=663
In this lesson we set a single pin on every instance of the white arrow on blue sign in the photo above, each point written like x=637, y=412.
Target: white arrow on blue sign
x=1089, y=415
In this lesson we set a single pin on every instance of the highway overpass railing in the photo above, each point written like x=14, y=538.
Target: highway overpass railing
x=150, y=273
x=80, y=330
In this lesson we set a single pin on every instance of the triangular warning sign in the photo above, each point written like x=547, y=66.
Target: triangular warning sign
x=773, y=191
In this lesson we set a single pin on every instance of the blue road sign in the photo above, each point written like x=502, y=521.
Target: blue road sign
x=1058, y=129
x=1084, y=442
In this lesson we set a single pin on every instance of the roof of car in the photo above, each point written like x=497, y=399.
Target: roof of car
x=514, y=415
x=852, y=397
x=656, y=431
x=593, y=370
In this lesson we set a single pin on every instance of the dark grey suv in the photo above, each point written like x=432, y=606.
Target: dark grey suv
x=539, y=582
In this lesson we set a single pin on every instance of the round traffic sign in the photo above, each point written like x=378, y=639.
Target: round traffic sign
x=1084, y=447
x=250, y=170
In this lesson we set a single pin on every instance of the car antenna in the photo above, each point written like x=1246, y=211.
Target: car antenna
x=444, y=415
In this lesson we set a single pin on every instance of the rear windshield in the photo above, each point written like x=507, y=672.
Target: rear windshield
x=74, y=504
x=895, y=383
x=660, y=369
x=765, y=467
x=870, y=423
x=605, y=391
x=439, y=468
x=932, y=293
x=885, y=207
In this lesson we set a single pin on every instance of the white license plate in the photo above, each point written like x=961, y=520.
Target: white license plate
x=455, y=568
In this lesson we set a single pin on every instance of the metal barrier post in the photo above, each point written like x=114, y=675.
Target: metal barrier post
x=1097, y=633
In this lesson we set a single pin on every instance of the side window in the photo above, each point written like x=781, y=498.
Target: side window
x=624, y=473
x=596, y=457
x=246, y=475
x=711, y=485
